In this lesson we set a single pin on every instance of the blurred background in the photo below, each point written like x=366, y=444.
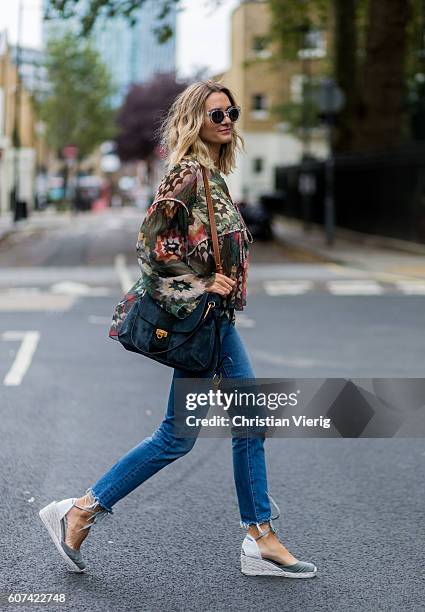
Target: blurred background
x=332, y=186
x=332, y=95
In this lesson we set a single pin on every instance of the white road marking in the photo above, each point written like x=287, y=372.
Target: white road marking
x=73, y=288
x=244, y=321
x=364, y=287
x=284, y=287
x=23, y=357
x=35, y=302
x=296, y=362
x=411, y=287
x=376, y=275
x=99, y=320
x=123, y=272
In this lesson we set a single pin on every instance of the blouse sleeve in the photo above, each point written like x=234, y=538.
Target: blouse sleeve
x=162, y=256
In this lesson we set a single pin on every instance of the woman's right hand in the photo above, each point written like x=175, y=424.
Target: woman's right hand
x=222, y=284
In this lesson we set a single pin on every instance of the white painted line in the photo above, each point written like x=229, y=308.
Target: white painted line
x=244, y=321
x=374, y=274
x=354, y=287
x=35, y=302
x=123, y=272
x=74, y=288
x=411, y=287
x=284, y=287
x=99, y=320
x=23, y=357
x=281, y=360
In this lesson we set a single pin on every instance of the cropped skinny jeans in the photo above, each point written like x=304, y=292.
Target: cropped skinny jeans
x=163, y=447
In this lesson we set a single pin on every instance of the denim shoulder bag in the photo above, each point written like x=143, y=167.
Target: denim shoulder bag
x=192, y=343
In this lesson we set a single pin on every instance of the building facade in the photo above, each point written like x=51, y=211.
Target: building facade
x=17, y=165
x=32, y=68
x=261, y=84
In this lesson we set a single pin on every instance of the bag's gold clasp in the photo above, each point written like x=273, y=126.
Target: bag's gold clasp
x=161, y=333
x=211, y=304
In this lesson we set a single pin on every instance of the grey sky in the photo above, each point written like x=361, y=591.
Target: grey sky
x=203, y=31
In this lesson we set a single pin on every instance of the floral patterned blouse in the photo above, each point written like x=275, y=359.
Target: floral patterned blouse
x=174, y=245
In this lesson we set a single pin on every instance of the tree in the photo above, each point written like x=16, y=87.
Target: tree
x=140, y=116
x=373, y=45
x=348, y=32
x=383, y=75
x=76, y=110
x=94, y=10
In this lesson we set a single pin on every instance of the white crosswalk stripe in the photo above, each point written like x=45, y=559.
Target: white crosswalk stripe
x=411, y=287
x=354, y=287
x=343, y=287
x=283, y=287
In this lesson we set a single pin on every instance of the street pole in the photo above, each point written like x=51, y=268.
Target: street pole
x=306, y=71
x=331, y=100
x=329, y=188
x=15, y=195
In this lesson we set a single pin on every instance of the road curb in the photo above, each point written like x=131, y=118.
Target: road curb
x=351, y=236
x=300, y=245
x=291, y=232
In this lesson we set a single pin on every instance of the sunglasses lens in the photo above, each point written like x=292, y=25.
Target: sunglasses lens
x=233, y=114
x=217, y=116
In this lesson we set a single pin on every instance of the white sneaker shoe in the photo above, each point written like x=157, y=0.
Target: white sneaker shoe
x=253, y=564
x=54, y=519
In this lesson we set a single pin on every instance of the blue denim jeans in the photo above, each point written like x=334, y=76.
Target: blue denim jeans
x=163, y=447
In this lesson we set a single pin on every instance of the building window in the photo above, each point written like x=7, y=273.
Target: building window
x=296, y=88
x=258, y=102
x=257, y=165
x=314, y=45
x=259, y=47
x=259, y=106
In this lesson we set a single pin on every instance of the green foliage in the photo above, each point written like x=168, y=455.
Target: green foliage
x=300, y=116
x=415, y=60
x=77, y=109
x=292, y=20
x=94, y=10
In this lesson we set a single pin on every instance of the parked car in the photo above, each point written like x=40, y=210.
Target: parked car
x=257, y=219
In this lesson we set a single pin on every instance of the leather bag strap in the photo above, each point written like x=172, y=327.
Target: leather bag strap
x=211, y=215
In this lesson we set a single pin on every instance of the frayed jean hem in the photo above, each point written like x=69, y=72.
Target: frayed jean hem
x=97, y=501
x=268, y=519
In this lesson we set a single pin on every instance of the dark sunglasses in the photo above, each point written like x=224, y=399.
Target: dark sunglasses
x=217, y=115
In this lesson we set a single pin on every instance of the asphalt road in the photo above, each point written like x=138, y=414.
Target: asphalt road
x=354, y=507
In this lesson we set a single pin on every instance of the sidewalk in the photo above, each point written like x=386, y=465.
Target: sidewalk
x=384, y=257
x=48, y=218
x=7, y=226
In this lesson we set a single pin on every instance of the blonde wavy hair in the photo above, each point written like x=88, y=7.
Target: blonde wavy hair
x=179, y=132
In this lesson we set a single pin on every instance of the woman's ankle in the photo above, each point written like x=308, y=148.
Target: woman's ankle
x=88, y=503
x=255, y=532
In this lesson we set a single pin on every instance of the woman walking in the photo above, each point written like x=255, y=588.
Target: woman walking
x=177, y=262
